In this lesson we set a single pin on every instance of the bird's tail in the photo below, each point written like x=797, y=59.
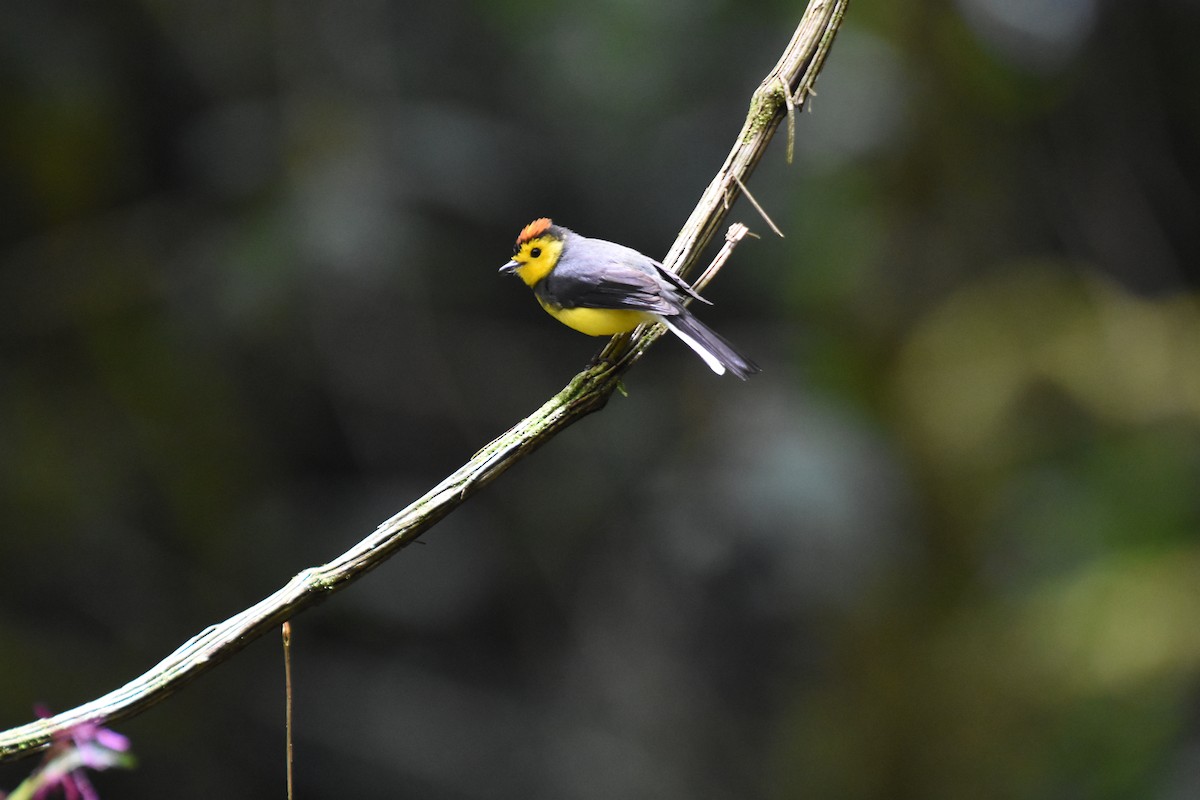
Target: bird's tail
x=710, y=345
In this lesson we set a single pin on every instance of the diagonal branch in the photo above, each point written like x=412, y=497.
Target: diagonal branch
x=786, y=86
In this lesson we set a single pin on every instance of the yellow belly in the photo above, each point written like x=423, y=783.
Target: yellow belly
x=599, y=321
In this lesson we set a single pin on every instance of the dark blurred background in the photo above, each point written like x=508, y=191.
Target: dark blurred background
x=947, y=545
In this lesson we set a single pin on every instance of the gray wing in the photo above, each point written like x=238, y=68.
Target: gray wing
x=614, y=276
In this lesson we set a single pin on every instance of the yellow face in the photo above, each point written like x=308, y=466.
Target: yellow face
x=537, y=257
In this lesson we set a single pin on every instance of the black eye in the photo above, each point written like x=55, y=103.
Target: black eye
x=536, y=252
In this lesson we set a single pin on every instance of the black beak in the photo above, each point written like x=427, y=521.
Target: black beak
x=508, y=268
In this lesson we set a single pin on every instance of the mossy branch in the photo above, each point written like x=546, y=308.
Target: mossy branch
x=784, y=88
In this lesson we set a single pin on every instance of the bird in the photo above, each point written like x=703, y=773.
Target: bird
x=602, y=288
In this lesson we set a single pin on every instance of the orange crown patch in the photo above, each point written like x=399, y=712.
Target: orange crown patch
x=534, y=230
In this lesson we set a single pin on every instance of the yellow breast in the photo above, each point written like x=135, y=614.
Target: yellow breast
x=598, y=321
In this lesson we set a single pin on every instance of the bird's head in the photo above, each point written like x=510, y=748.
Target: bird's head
x=537, y=251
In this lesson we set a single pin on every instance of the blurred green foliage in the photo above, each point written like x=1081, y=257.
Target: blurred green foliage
x=946, y=546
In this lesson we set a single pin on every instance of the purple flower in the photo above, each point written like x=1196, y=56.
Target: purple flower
x=85, y=746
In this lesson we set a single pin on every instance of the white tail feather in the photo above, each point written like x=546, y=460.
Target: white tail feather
x=713, y=364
